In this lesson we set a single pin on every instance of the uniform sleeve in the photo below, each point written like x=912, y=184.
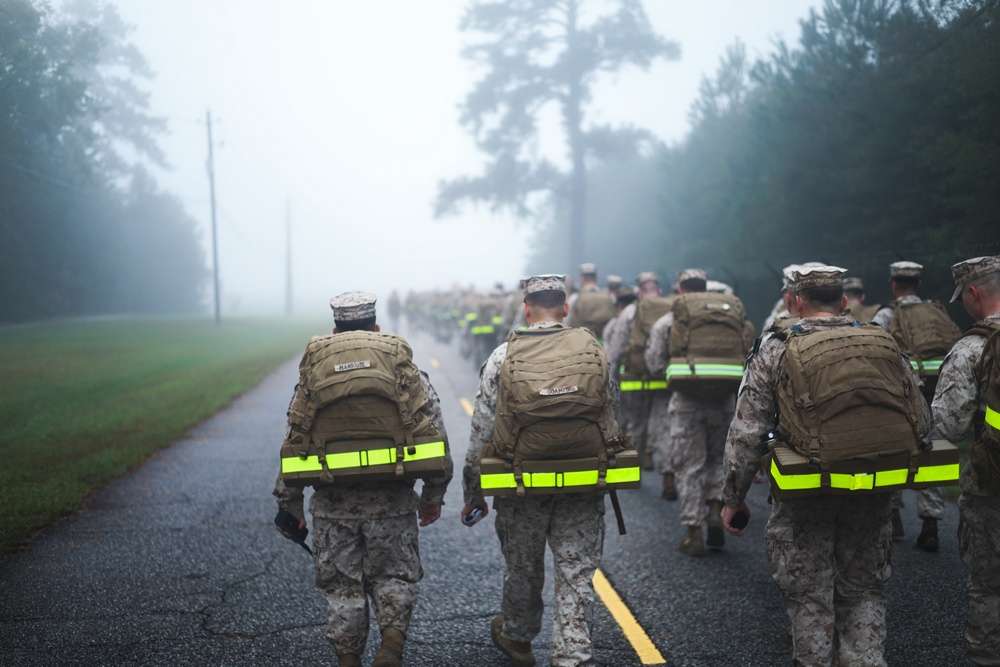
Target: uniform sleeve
x=483, y=419
x=619, y=339
x=883, y=317
x=752, y=421
x=657, y=351
x=434, y=489
x=290, y=499
x=956, y=397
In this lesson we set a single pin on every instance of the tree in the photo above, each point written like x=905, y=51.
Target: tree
x=540, y=53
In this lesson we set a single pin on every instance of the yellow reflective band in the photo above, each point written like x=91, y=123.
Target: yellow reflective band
x=471, y=317
x=859, y=482
x=363, y=458
x=707, y=370
x=497, y=319
x=891, y=477
x=945, y=473
x=929, y=364
x=992, y=417
x=484, y=329
x=631, y=385
x=790, y=482
x=622, y=475
x=558, y=480
x=642, y=385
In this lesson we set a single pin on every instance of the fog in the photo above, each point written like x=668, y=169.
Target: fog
x=345, y=114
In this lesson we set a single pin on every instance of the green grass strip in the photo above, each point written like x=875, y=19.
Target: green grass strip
x=82, y=403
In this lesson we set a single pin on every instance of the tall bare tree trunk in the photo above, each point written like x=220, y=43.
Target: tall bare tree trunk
x=572, y=116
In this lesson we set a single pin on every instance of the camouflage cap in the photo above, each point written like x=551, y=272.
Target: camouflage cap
x=972, y=269
x=544, y=282
x=588, y=267
x=646, y=277
x=854, y=283
x=788, y=274
x=905, y=270
x=691, y=274
x=614, y=281
x=807, y=277
x=718, y=287
x=353, y=306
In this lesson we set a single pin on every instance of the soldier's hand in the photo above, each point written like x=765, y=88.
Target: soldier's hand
x=729, y=512
x=428, y=514
x=467, y=511
x=287, y=535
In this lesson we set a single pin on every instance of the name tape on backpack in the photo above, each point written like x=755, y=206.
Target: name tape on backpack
x=557, y=391
x=352, y=366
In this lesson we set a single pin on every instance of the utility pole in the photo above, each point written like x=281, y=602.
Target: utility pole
x=288, y=258
x=215, y=239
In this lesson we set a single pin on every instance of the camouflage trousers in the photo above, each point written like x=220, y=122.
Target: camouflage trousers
x=361, y=558
x=658, y=433
x=698, y=430
x=979, y=546
x=634, y=409
x=930, y=503
x=573, y=527
x=830, y=556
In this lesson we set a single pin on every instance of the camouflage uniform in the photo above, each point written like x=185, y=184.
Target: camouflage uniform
x=571, y=523
x=695, y=437
x=365, y=543
x=829, y=555
x=635, y=405
x=659, y=436
x=930, y=502
x=959, y=406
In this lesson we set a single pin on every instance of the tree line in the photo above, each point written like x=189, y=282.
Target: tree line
x=874, y=139
x=84, y=227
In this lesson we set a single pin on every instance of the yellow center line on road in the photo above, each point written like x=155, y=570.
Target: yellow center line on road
x=435, y=363
x=647, y=652
x=466, y=405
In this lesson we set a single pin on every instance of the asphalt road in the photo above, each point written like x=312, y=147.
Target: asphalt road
x=178, y=564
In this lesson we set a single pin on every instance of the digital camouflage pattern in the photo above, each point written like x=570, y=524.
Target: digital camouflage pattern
x=571, y=524
x=365, y=538
x=829, y=555
x=695, y=437
x=958, y=403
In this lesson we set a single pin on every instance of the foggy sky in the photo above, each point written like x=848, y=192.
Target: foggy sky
x=349, y=110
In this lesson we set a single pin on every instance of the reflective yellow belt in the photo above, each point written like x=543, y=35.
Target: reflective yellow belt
x=497, y=319
x=484, y=329
x=642, y=385
x=864, y=481
x=993, y=417
x=363, y=458
x=929, y=365
x=558, y=480
x=708, y=371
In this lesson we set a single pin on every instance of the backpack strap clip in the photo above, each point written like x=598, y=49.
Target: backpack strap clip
x=326, y=476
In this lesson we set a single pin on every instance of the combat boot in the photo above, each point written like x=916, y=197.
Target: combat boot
x=716, y=533
x=897, y=525
x=390, y=653
x=692, y=544
x=349, y=660
x=520, y=653
x=647, y=461
x=928, y=538
x=669, y=489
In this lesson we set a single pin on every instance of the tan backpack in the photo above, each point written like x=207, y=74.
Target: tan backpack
x=709, y=341
x=863, y=313
x=592, y=309
x=553, y=404
x=634, y=374
x=984, y=454
x=925, y=333
x=358, y=414
x=843, y=395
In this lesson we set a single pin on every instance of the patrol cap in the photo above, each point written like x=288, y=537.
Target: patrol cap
x=645, y=277
x=718, y=287
x=588, y=267
x=973, y=269
x=691, y=274
x=788, y=274
x=353, y=306
x=905, y=270
x=854, y=283
x=543, y=283
x=807, y=277
x=614, y=281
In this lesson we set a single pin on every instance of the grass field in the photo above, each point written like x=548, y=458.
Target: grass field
x=82, y=403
